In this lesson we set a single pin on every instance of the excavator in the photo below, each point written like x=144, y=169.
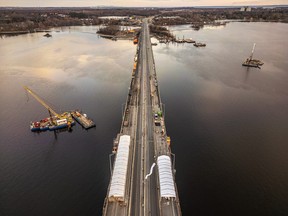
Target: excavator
x=54, y=122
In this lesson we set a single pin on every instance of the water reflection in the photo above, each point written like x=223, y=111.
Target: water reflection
x=76, y=70
x=221, y=60
x=236, y=118
x=214, y=27
x=247, y=74
x=60, y=59
x=47, y=156
x=223, y=129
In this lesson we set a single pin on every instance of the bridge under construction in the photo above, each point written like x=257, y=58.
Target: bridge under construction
x=142, y=175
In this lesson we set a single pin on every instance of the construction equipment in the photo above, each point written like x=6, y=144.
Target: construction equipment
x=250, y=62
x=55, y=122
x=41, y=101
x=135, y=41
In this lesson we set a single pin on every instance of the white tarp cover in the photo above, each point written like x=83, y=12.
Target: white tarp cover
x=117, y=187
x=167, y=188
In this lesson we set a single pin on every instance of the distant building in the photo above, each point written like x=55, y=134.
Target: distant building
x=245, y=9
x=62, y=15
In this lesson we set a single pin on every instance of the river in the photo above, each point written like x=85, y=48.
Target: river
x=228, y=124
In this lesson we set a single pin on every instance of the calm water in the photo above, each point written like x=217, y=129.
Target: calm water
x=228, y=124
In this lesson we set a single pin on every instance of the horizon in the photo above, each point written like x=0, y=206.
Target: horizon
x=111, y=6
x=141, y=3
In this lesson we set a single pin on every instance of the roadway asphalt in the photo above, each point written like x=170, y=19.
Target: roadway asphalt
x=144, y=196
x=135, y=196
x=152, y=200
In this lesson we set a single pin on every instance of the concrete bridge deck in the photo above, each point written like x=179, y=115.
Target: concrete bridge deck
x=148, y=142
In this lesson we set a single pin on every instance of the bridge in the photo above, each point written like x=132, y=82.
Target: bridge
x=141, y=146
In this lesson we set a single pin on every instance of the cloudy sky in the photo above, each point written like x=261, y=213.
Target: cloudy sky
x=148, y=3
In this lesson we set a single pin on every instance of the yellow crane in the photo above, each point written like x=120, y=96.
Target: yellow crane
x=59, y=121
x=41, y=101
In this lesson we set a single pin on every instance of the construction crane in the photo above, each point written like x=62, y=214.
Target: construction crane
x=250, y=62
x=50, y=110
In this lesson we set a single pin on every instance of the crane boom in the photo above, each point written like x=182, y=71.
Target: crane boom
x=40, y=100
x=251, y=56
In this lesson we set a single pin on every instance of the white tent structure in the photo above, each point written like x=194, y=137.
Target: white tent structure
x=167, y=187
x=118, y=182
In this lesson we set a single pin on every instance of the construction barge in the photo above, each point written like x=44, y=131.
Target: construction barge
x=198, y=44
x=54, y=122
x=57, y=121
x=82, y=119
x=250, y=62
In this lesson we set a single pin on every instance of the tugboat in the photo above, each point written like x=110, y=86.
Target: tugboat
x=250, y=62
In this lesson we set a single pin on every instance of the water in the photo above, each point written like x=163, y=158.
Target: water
x=228, y=124
x=69, y=174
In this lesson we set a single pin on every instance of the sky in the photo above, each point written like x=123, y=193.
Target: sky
x=139, y=3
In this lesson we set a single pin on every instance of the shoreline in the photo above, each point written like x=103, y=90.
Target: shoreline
x=15, y=33
x=20, y=32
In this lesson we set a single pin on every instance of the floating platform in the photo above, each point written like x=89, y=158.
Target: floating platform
x=199, y=44
x=53, y=123
x=82, y=119
x=189, y=40
x=252, y=63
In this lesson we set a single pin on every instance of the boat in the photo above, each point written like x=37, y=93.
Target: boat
x=180, y=41
x=47, y=35
x=199, y=44
x=190, y=40
x=135, y=41
x=83, y=119
x=64, y=120
x=250, y=62
x=197, y=26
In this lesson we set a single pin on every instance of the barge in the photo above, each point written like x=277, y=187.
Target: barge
x=55, y=121
x=250, y=62
x=64, y=120
x=82, y=119
x=199, y=44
